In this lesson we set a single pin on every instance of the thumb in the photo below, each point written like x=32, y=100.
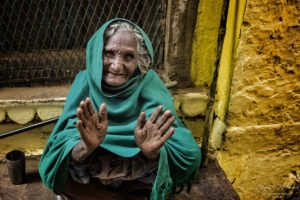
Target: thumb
x=141, y=121
x=103, y=112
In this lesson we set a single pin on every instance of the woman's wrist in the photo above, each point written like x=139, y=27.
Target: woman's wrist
x=81, y=151
x=151, y=156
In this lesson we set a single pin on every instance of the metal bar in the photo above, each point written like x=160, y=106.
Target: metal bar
x=129, y=3
x=27, y=128
x=134, y=10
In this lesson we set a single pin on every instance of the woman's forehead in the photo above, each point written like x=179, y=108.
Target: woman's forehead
x=121, y=39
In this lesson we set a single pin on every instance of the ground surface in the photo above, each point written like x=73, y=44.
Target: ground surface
x=211, y=183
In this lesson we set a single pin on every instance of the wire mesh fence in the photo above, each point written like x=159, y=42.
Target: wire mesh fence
x=43, y=41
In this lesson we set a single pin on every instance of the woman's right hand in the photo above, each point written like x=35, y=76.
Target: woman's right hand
x=91, y=125
x=150, y=135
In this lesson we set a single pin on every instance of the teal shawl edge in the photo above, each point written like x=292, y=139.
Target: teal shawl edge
x=179, y=158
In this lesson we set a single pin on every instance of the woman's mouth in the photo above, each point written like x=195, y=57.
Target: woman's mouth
x=114, y=73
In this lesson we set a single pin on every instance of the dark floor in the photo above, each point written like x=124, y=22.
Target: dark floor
x=210, y=184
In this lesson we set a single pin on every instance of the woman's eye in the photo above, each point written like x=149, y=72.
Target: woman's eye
x=109, y=54
x=129, y=57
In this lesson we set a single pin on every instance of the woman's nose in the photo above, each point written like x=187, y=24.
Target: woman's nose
x=117, y=63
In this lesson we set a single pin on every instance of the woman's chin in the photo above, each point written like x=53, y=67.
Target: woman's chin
x=115, y=83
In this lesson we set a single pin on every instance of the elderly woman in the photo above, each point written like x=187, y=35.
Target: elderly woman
x=119, y=129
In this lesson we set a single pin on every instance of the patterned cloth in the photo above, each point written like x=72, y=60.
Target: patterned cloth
x=111, y=169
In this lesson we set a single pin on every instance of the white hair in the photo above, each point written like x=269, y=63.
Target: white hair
x=143, y=57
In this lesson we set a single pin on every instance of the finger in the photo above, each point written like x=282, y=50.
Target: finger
x=102, y=112
x=167, y=114
x=167, y=125
x=141, y=121
x=155, y=114
x=80, y=127
x=90, y=107
x=81, y=116
x=167, y=135
x=84, y=108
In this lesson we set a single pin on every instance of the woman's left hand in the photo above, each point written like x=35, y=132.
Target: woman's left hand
x=150, y=135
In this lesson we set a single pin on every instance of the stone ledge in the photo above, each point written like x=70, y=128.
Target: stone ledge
x=25, y=111
x=23, y=105
x=27, y=105
x=263, y=138
x=252, y=129
x=191, y=104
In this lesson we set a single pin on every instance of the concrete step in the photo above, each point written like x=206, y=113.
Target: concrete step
x=25, y=106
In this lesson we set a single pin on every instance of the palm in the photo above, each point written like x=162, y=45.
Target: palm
x=148, y=143
x=91, y=125
x=151, y=135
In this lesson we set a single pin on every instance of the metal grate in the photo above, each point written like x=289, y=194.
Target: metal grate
x=43, y=41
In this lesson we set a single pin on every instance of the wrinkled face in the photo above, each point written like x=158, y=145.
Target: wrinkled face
x=119, y=58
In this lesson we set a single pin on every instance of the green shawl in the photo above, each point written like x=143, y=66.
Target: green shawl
x=179, y=157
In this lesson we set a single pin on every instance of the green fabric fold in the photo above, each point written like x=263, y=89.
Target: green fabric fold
x=180, y=156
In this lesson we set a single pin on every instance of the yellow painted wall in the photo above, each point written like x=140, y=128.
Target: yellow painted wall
x=205, y=45
x=205, y=41
x=257, y=98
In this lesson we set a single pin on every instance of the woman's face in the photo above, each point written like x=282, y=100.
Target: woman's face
x=119, y=58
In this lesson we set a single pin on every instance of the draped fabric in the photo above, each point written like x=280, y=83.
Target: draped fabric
x=180, y=156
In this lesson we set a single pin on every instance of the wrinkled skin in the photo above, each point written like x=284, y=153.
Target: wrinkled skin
x=119, y=58
x=119, y=65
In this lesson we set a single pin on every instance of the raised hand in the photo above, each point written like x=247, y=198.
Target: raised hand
x=150, y=135
x=91, y=125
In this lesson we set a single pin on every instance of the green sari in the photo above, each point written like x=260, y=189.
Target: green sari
x=180, y=156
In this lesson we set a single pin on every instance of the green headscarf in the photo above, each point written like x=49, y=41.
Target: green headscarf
x=179, y=157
